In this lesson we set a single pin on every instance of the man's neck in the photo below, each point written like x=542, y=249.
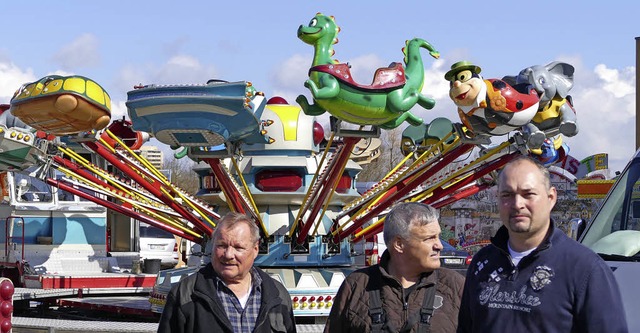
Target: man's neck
x=240, y=287
x=401, y=272
x=522, y=242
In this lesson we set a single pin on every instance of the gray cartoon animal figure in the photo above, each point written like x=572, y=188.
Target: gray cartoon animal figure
x=556, y=114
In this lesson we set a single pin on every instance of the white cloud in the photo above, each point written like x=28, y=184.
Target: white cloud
x=183, y=69
x=128, y=77
x=119, y=110
x=179, y=69
x=616, y=82
x=81, y=52
x=291, y=74
x=435, y=86
x=605, y=105
x=12, y=78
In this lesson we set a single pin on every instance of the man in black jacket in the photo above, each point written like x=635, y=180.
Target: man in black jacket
x=532, y=277
x=229, y=295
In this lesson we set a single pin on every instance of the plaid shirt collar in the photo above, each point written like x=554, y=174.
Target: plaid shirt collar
x=242, y=320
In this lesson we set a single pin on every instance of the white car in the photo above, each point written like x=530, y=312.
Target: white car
x=156, y=243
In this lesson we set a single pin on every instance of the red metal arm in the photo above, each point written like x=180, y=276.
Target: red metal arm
x=327, y=187
x=120, y=209
x=152, y=186
x=403, y=189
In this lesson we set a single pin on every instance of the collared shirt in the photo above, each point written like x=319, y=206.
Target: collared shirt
x=242, y=320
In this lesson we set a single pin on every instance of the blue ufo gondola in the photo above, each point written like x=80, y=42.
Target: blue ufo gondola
x=212, y=114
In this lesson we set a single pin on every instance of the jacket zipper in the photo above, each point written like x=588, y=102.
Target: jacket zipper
x=405, y=307
x=514, y=269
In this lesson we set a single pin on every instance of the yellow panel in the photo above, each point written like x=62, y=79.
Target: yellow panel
x=37, y=90
x=95, y=92
x=54, y=86
x=107, y=101
x=288, y=115
x=75, y=84
x=26, y=92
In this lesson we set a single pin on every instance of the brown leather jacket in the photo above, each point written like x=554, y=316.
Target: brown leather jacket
x=350, y=310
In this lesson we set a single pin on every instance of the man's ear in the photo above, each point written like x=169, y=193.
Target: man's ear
x=398, y=244
x=256, y=249
x=553, y=196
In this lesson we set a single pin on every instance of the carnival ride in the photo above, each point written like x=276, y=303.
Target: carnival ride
x=256, y=155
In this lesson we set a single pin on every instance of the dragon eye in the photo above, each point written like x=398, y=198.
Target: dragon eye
x=313, y=22
x=542, y=80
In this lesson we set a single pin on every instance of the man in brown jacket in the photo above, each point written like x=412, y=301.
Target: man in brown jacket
x=407, y=291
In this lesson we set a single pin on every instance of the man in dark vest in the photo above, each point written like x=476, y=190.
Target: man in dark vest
x=407, y=291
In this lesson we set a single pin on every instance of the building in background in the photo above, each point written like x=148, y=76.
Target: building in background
x=153, y=155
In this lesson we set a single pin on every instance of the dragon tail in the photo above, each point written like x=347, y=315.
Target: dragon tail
x=415, y=44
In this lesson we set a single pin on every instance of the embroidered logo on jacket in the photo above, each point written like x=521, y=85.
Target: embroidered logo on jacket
x=438, y=302
x=493, y=297
x=541, y=277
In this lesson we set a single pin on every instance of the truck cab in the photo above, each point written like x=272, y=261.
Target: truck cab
x=614, y=233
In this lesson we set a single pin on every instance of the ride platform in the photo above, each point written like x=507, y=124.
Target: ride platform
x=90, y=280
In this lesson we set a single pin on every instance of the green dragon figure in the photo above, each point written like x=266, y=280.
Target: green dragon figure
x=384, y=103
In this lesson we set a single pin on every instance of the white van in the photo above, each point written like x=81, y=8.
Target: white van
x=614, y=233
x=156, y=243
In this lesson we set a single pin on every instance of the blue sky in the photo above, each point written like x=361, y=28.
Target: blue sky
x=120, y=44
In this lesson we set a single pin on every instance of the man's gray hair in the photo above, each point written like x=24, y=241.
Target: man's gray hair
x=231, y=219
x=405, y=214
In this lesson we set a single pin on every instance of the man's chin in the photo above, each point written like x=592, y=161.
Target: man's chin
x=519, y=227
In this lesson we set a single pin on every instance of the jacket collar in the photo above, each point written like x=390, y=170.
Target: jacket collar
x=426, y=278
x=501, y=238
x=205, y=287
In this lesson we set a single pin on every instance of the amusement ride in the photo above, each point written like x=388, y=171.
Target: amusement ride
x=256, y=155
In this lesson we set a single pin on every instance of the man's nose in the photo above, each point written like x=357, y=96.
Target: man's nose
x=456, y=83
x=229, y=252
x=518, y=200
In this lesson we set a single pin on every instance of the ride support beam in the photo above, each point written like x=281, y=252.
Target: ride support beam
x=121, y=209
x=461, y=195
x=80, y=171
x=401, y=191
x=454, y=192
x=442, y=191
x=328, y=187
x=150, y=185
x=234, y=198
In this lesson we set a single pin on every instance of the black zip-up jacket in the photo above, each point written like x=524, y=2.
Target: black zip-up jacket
x=193, y=306
x=561, y=286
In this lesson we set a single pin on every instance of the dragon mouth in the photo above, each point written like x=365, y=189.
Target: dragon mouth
x=304, y=30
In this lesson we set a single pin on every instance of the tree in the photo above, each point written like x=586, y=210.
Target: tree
x=182, y=174
x=390, y=156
